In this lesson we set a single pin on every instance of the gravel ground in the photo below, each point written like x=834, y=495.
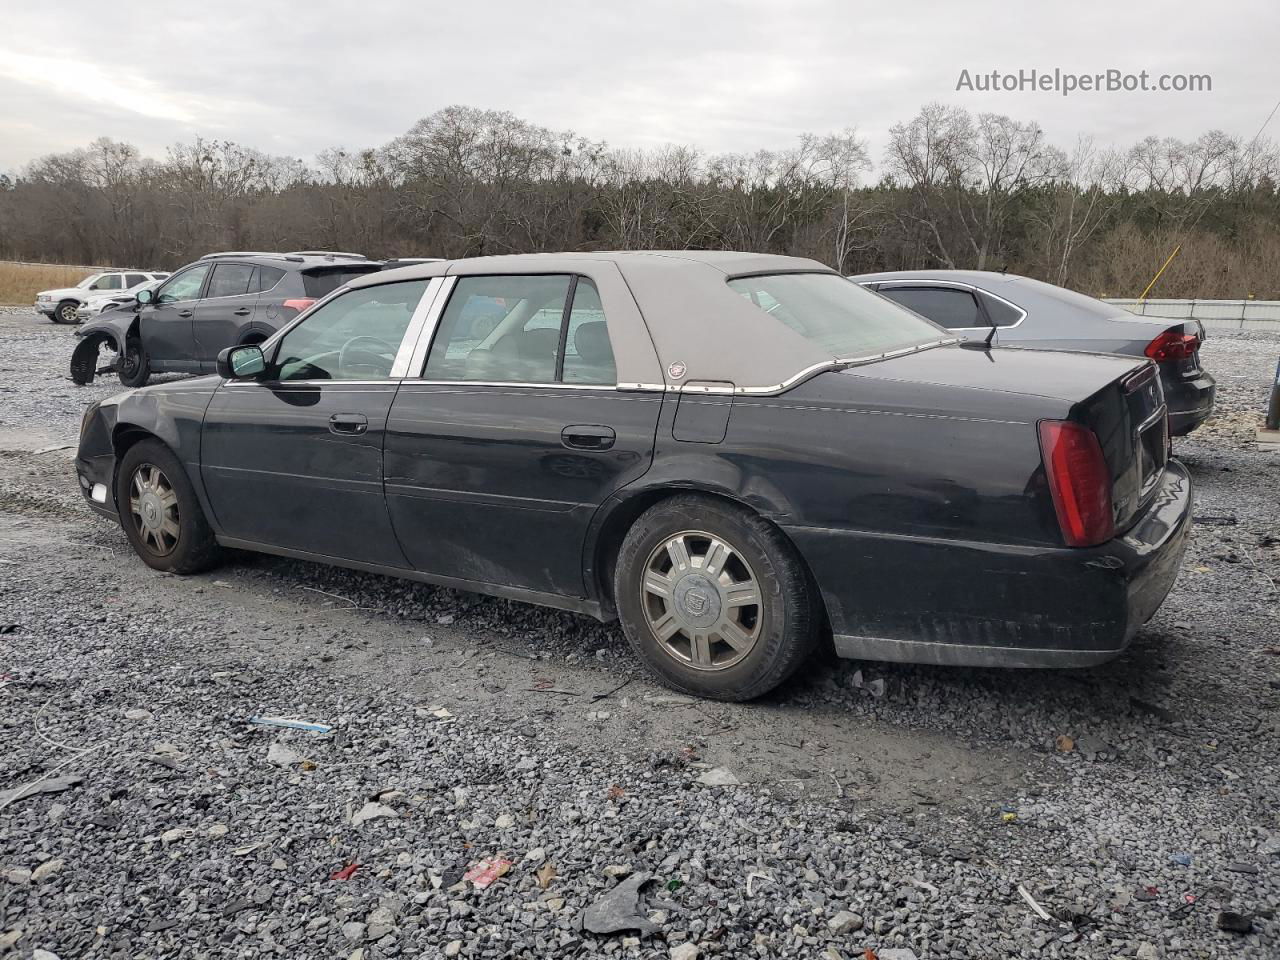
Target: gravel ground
x=898, y=816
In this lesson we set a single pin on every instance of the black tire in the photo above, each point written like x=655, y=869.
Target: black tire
x=133, y=367
x=65, y=312
x=193, y=548
x=785, y=623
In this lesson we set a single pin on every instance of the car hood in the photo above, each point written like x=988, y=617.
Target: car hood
x=63, y=292
x=1019, y=370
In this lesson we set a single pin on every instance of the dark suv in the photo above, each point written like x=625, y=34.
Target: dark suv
x=221, y=300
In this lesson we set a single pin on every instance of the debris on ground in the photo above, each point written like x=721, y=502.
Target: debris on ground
x=282, y=756
x=345, y=873
x=718, y=777
x=1064, y=743
x=1234, y=922
x=372, y=810
x=545, y=874
x=43, y=785
x=485, y=872
x=306, y=725
x=619, y=909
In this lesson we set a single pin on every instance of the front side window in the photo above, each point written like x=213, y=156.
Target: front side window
x=88, y=283
x=183, y=286
x=230, y=280
x=353, y=337
x=837, y=314
x=515, y=329
x=108, y=281
x=946, y=306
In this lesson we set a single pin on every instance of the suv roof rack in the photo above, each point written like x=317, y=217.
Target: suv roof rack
x=327, y=253
x=243, y=253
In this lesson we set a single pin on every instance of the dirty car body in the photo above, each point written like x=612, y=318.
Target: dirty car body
x=1031, y=313
x=726, y=451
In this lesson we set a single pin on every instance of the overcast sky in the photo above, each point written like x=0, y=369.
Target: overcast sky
x=295, y=78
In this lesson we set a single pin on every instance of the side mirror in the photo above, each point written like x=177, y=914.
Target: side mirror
x=145, y=296
x=241, y=363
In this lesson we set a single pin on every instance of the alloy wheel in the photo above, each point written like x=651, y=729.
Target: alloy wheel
x=153, y=504
x=702, y=600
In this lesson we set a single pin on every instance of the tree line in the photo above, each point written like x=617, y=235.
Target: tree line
x=953, y=189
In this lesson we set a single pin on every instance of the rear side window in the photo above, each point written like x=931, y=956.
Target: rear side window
x=588, y=354
x=504, y=329
x=837, y=314
x=267, y=278
x=1002, y=314
x=945, y=306
x=322, y=281
x=352, y=337
x=133, y=279
x=230, y=280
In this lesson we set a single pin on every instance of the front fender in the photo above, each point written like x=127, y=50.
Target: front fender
x=112, y=329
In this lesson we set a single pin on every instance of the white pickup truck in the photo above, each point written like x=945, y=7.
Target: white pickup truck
x=61, y=305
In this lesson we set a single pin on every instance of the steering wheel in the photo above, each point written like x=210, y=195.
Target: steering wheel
x=365, y=351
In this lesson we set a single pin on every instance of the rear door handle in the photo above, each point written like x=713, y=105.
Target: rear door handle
x=348, y=423
x=242, y=312
x=588, y=436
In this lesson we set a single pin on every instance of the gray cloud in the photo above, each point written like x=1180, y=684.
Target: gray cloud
x=721, y=75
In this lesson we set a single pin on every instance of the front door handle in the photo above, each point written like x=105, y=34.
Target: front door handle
x=184, y=313
x=242, y=312
x=348, y=423
x=588, y=436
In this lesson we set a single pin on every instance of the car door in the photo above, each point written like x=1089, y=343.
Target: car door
x=500, y=453
x=226, y=307
x=167, y=322
x=292, y=461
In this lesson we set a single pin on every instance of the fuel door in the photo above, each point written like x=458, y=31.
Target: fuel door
x=702, y=411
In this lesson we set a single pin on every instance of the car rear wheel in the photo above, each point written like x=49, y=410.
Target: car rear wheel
x=160, y=513
x=713, y=599
x=66, y=312
x=133, y=367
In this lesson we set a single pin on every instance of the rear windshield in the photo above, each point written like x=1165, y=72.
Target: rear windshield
x=837, y=314
x=320, y=281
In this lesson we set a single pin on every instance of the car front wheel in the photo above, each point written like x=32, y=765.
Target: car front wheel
x=66, y=312
x=133, y=367
x=160, y=513
x=713, y=599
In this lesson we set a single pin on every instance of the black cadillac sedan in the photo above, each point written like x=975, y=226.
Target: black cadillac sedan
x=732, y=454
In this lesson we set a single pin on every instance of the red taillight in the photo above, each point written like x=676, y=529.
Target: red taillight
x=1173, y=346
x=1079, y=482
x=300, y=303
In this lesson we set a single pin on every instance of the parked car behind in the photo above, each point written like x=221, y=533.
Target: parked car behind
x=1031, y=313
x=221, y=300
x=60, y=305
x=99, y=303
x=727, y=452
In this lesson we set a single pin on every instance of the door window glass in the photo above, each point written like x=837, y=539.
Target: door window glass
x=108, y=281
x=352, y=337
x=133, y=279
x=230, y=280
x=945, y=306
x=588, y=355
x=183, y=286
x=502, y=328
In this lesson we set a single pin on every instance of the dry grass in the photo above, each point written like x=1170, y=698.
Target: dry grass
x=20, y=282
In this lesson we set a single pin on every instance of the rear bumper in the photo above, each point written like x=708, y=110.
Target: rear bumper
x=1190, y=402
x=923, y=600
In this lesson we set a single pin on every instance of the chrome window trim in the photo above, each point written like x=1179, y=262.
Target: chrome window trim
x=954, y=285
x=402, y=364
x=427, y=331
x=417, y=381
